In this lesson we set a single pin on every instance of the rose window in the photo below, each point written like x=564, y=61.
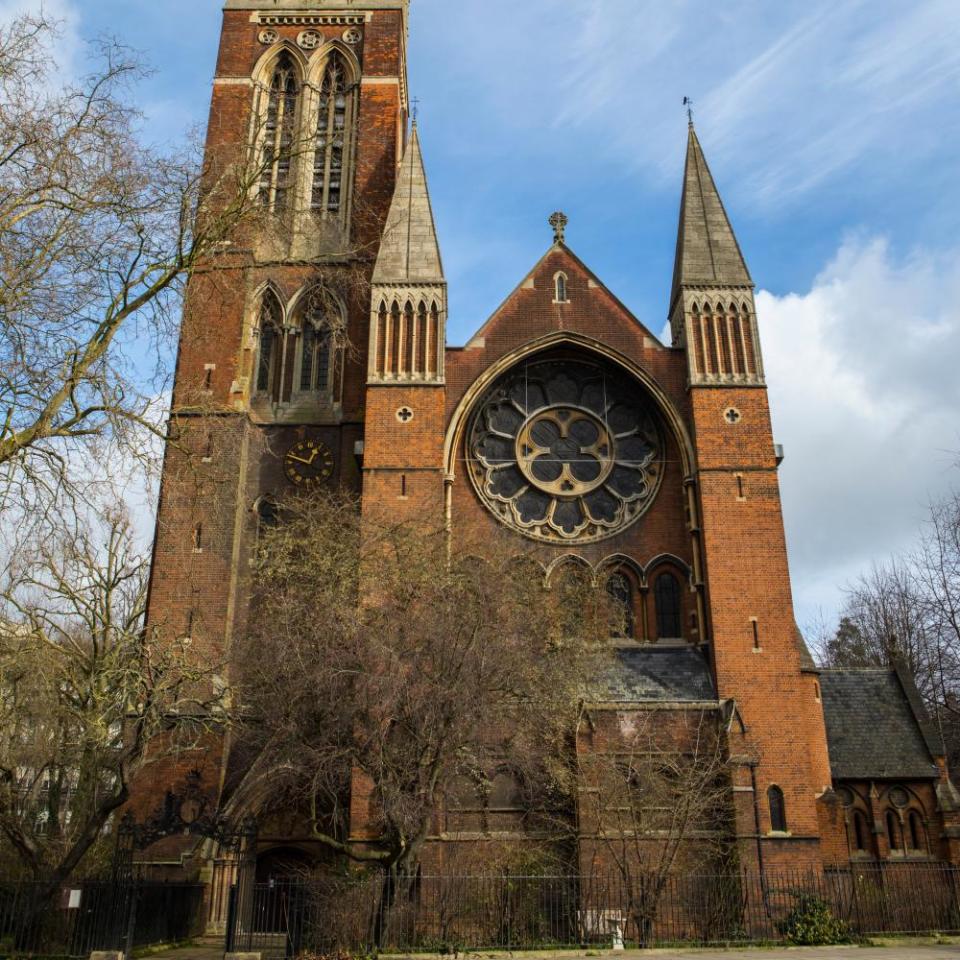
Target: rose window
x=565, y=450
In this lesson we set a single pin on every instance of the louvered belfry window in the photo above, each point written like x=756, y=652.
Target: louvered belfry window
x=278, y=136
x=333, y=122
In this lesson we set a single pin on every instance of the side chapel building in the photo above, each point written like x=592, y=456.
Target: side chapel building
x=563, y=419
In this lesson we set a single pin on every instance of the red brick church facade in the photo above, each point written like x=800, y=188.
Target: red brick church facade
x=563, y=419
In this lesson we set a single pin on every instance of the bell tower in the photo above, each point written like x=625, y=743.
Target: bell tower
x=271, y=382
x=761, y=663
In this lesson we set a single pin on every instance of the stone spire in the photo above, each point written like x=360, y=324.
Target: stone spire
x=708, y=254
x=712, y=311
x=409, y=252
x=408, y=308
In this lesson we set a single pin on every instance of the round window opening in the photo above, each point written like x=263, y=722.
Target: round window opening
x=565, y=450
x=899, y=797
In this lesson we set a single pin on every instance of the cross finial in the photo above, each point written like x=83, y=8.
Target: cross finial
x=688, y=103
x=415, y=103
x=559, y=223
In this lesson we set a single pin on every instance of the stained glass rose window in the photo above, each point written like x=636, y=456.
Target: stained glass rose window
x=565, y=450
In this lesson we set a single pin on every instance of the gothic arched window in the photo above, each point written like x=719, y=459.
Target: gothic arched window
x=859, y=832
x=893, y=832
x=915, y=831
x=506, y=792
x=279, y=128
x=561, y=287
x=270, y=351
x=322, y=318
x=620, y=590
x=333, y=138
x=666, y=592
x=778, y=810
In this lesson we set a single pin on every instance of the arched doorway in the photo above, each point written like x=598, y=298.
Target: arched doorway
x=278, y=890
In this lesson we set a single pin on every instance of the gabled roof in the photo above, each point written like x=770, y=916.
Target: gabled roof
x=557, y=253
x=409, y=250
x=876, y=730
x=707, y=249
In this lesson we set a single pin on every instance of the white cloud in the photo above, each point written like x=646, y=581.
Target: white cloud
x=865, y=396
x=786, y=95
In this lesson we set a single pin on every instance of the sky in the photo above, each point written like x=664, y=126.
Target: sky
x=832, y=130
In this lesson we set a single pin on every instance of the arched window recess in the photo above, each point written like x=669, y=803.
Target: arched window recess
x=778, y=810
x=861, y=833
x=669, y=606
x=270, y=347
x=278, y=133
x=894, y=835
x=322, y=336
x=621, y=592
x=560, y=288
x=916, y=835
x=333, y=136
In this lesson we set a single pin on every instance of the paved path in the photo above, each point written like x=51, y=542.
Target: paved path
x=890, y=952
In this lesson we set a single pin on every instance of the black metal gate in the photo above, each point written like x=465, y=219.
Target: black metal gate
x=191, y=812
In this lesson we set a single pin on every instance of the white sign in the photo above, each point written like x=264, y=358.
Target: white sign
x=73, y=903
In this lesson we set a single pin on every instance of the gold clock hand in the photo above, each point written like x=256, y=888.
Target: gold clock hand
x=293, y=456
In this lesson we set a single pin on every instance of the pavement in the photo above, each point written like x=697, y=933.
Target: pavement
x=886, y=950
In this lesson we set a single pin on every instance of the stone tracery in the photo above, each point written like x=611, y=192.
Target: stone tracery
x=565, y=450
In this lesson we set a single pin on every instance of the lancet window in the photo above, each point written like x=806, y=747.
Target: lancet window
x=279, y=129
x=332, y=143
x=620, y=590
x=668, y=604
x=321, y=322
x=778, y=810
x=270, y=348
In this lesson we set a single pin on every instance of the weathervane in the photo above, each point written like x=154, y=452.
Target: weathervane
x=415, y=102
x=688, y=103
x=559, y=223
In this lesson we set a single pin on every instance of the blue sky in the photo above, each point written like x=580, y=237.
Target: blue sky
x=832, y=130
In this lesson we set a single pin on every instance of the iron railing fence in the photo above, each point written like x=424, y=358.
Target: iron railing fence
x=90, y=915
x=452, y=913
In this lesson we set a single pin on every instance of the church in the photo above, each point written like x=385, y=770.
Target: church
x=321, y=357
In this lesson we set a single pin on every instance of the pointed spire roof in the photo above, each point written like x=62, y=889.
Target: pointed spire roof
x=409, y=250
x=707, y=250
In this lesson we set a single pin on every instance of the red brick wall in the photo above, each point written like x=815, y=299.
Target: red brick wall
x=246, y=460
x=749, y=590
x=530, y=314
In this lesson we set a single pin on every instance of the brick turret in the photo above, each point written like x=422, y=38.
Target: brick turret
x=403, y=453
x=760, y=665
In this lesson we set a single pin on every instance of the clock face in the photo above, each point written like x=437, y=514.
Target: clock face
x=308, y=463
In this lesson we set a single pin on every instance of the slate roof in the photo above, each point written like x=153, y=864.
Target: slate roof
x=409, y=250
x=655, y=673
x=876, y=728
x=707, y=250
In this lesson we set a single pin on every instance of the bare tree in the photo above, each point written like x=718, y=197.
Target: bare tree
x=99, y=234
x=88, y=699
x=937, y=562
x=908, y=609
x=655, y=795
x=885, y=616
x=381, y=660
